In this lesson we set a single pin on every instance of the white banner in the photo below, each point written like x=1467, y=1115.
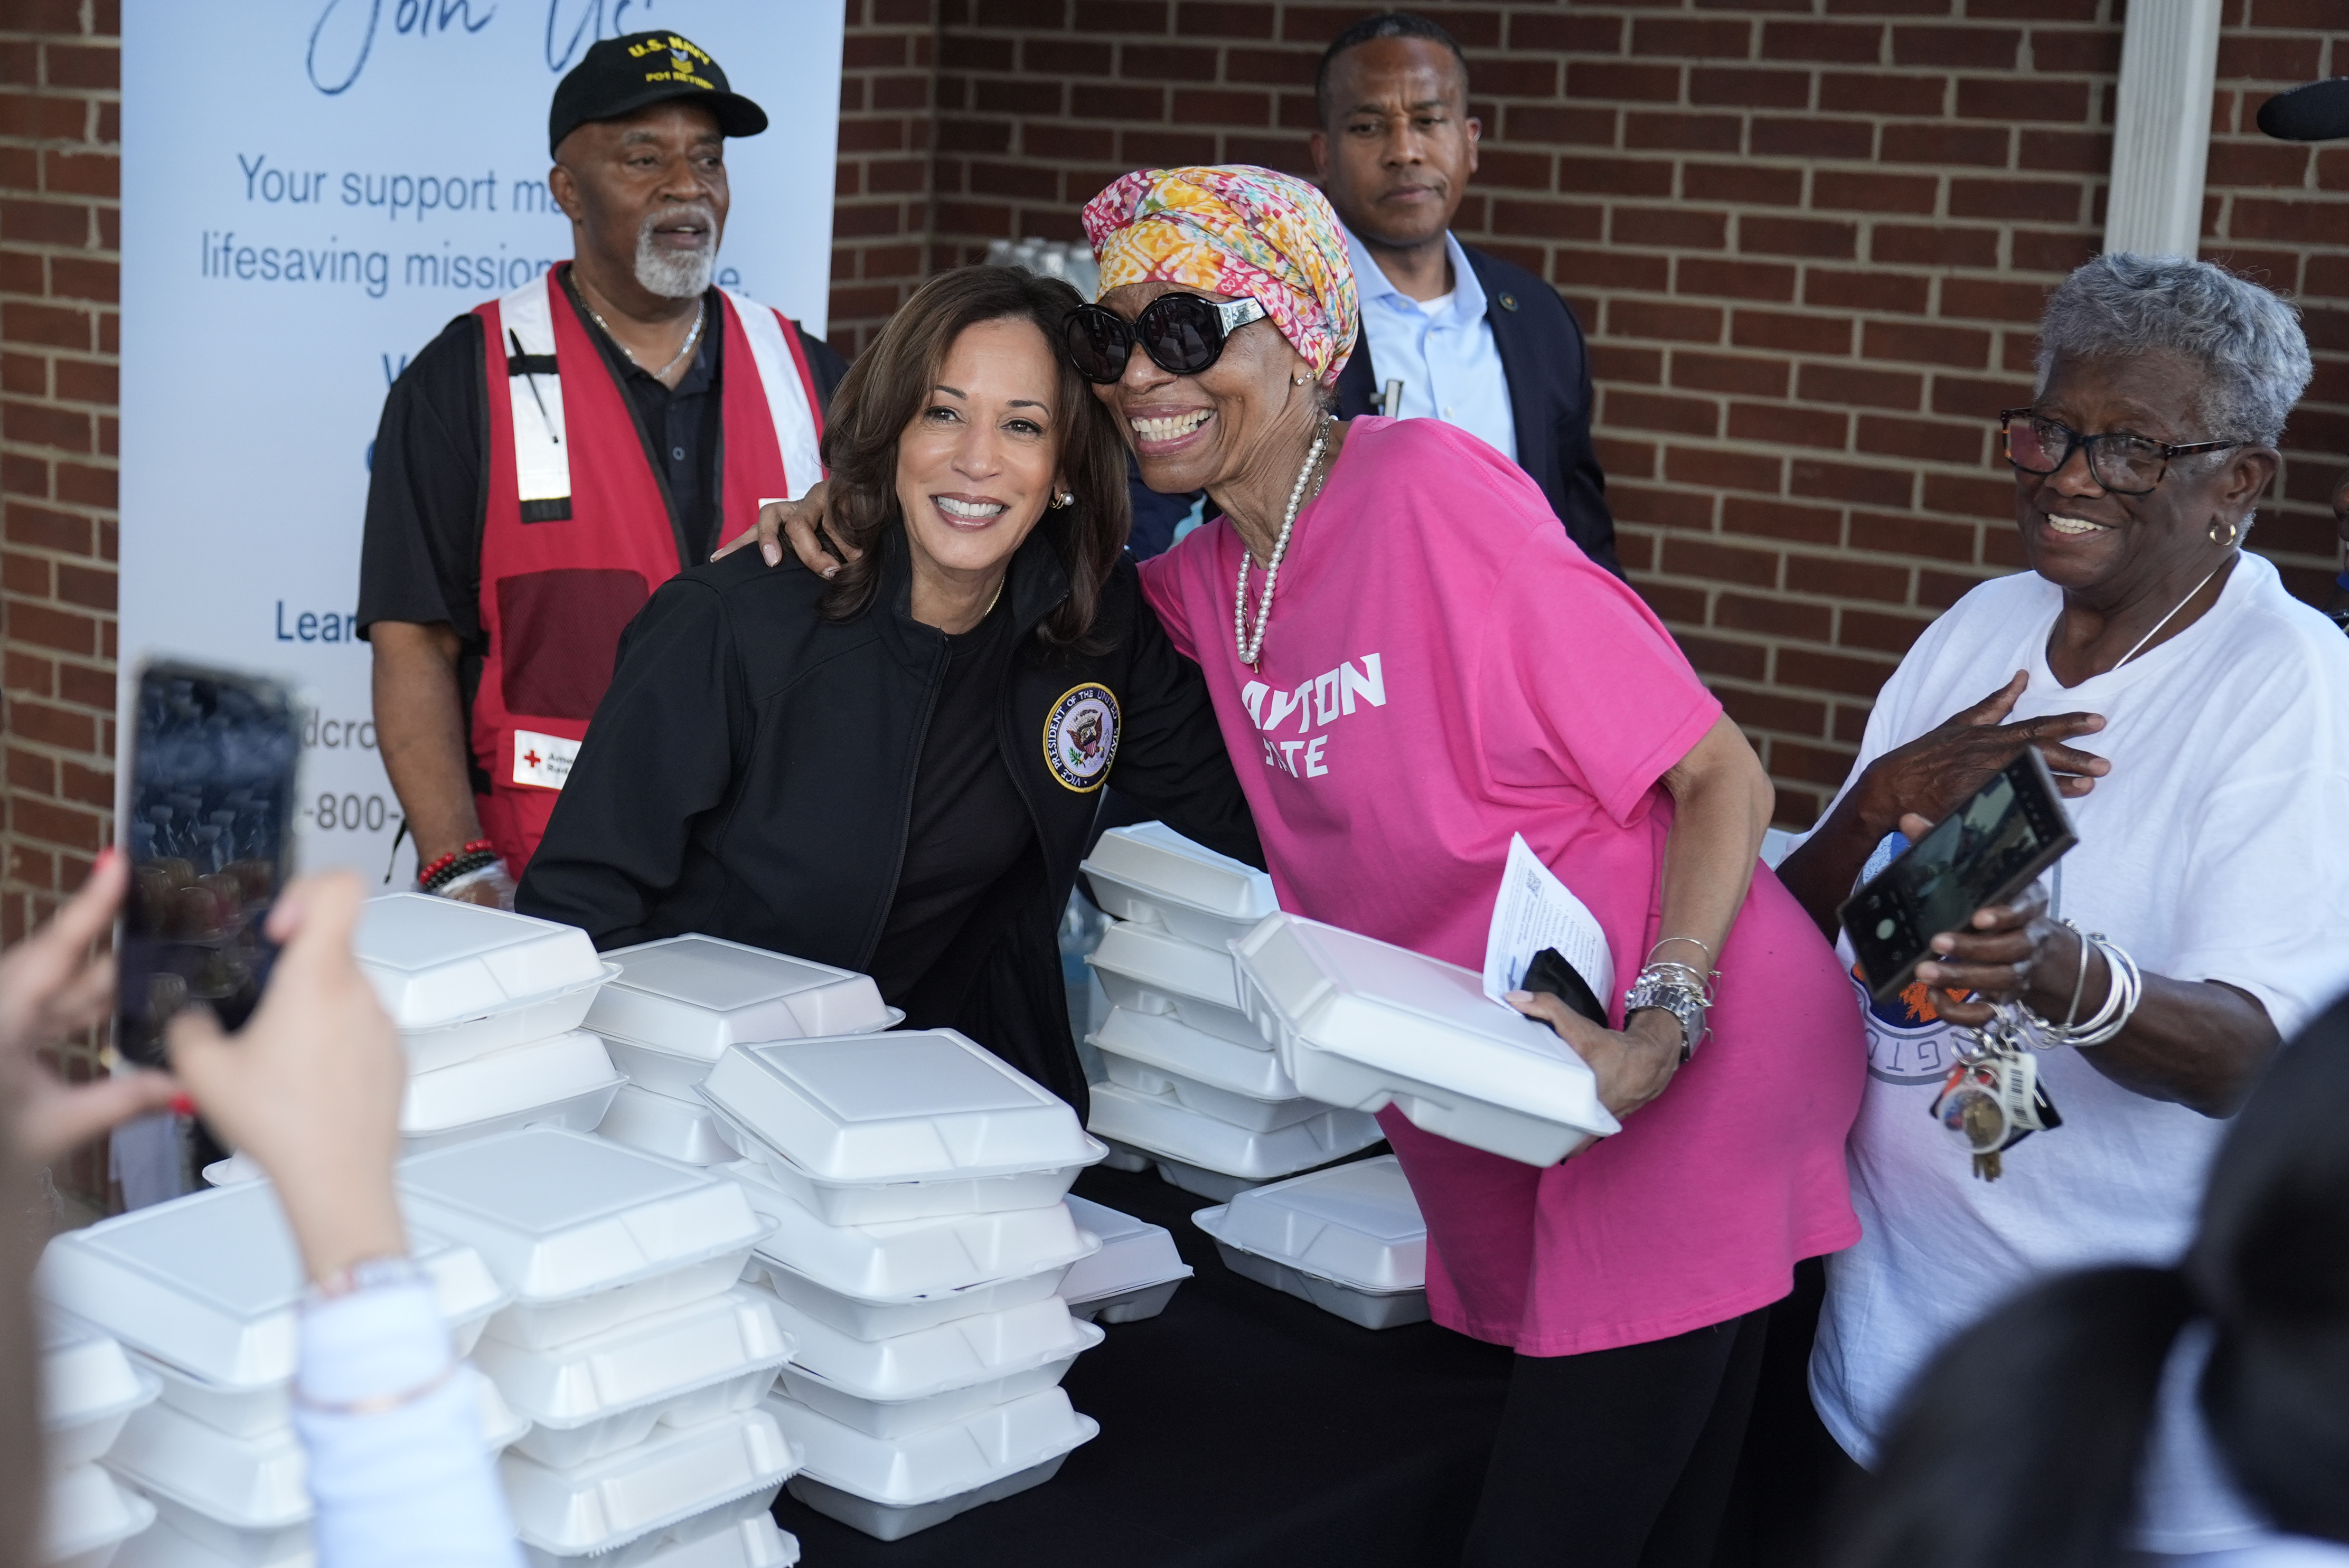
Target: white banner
x=311, y=189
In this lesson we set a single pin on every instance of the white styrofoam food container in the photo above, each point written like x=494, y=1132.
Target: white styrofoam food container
x=1349, y=1239
x=87, y=1517
x=1197, y=1179
x=534, y=1078
x=695, y=996
x=1164, y=1126
x=1131, y=1277
x=876, y=1320
x=671, y=1476
x=257, y=1412
x=1164, y=1041
x=253, y=1483
x=1366, y=1023
x=1150, y=871
x=651, y=1119
x=905, y=1260
x=644, y=1368
x=738, y=1534
x=1143, y=969
x=88, y=1388
x=913, y=1106
x=584, y=1232
x=460, y=979
x=970, y=1351
x=913, y=1482
x=210, y=1282
x=182, y=1538
x=1234, y=1109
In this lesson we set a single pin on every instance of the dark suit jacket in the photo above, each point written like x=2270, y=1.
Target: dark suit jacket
x=1542, y=354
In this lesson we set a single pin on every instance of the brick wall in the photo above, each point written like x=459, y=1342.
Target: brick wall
x=1809, y=240
x=881, y=206
x=60, y=131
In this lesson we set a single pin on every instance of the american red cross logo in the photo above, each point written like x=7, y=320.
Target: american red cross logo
x=531, y=757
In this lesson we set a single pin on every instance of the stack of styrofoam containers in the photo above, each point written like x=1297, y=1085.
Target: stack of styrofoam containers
x=628, y=1343
x=88, y=1391
x=1194, y=1085
x=1349, y=1239
x=1133, y=1275
x=489, y=1005
x=203, y=1292
x=1363, y=1022
x=917, y=1183
x=676, y=1004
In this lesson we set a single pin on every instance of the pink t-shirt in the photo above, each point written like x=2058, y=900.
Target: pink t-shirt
x=1445, y=668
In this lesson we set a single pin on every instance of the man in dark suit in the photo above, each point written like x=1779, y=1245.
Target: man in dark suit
x=1448, y=332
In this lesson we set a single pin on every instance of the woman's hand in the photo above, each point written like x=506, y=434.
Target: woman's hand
x=51, y=987
x=801, y=521
x=311, y=1087
x=1939, y=770
x=1632, y=1065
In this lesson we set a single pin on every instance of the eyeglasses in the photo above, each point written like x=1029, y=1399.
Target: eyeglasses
x=1182, y=333
x=2121, y=463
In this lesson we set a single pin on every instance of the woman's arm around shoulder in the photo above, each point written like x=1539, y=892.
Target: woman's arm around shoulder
x=660, y=750
x=1171, y=756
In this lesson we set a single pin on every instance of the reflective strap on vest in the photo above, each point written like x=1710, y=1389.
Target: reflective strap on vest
x=541, y=463
x=787, y=396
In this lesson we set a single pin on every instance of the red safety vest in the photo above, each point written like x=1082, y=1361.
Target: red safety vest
x=577, y=535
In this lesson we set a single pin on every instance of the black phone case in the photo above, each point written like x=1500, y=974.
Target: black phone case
x=1550, y=972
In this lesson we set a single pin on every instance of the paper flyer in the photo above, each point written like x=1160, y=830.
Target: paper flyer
x=1534, y=911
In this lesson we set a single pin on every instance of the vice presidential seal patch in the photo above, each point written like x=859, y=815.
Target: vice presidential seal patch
x=1081, y=737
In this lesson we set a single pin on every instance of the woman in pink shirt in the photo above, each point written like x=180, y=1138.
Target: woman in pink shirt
x=1412, y=663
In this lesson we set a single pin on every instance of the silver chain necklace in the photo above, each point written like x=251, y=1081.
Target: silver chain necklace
x=690, y=338
x=1250, y=648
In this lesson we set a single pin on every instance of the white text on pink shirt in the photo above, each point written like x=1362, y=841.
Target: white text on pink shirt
x=1321, y=702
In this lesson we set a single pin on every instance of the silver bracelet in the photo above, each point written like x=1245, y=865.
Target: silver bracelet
x=1659, y=985
x=2125, y=987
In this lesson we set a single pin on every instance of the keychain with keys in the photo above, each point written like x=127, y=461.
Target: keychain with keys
x=1991, y=1099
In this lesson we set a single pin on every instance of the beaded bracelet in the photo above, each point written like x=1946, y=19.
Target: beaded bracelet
x=447, y=870
x=424, y=874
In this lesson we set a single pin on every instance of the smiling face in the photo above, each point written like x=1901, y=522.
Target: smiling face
x=2112, y=548
x=647, y=196
x=978, y=462
x=1395, y=155
x=1198, y=432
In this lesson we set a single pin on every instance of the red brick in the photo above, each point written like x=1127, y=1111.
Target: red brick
x=1983, y=299
x=2269, y=59
x=1927, y=439
x=1591, y=81
x=36, y=424
x=1746, y=87
x=1736, y=280
x=1828, y=287
x=1788, y=427
x=1829, y=672
x=1802, y=334
x=53, y=326
x=2065, y=151
x=1715, y=469
x=1606, y=269
x=1622, y=409
x=92, y=688
x=1685, y=38
x=1662, y=508
x=2079, y=50
x=1898, y=533
x=1718, y=657
x=1729, y=373
x=1911, y=341
x=1982, y=145
x=1852, y=92
x=1846, y=138
x=1760, y=235
x=49, y=726
x=1840, y=41
x=1683, y=133
x=1681, y=228
x=2008, y=201
x=79, y=65
x=1781, y=519
x=1850, y=482
x=1570, y=34
x=31, y=817
x=1615, y=362
x=1745, y=183
x=2018, y=98
x=1988, y=497
x=1991, y=48
x=1813, y=764
x=1685, y=557
x=1653, y=318
x=1571, y=124
x=1839, y=189
x=2038, y=251
x=1966, y=397
x=1920, y=245
x=1768, y=710
x=1860, y=388
x=1549, y=220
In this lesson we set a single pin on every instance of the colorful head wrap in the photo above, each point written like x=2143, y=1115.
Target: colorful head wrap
x=1239, y=230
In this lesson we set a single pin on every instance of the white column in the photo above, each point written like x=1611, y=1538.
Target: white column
x=2161, y=127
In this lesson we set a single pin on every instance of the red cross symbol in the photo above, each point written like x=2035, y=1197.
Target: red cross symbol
x=531, y=757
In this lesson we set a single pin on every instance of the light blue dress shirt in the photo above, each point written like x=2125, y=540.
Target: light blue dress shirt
x=1441, y=352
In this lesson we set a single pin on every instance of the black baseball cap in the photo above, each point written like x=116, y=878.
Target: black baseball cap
x=620, y=75
x=2317, y=112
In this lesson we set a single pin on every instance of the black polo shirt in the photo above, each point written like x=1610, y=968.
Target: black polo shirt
x=421, y=559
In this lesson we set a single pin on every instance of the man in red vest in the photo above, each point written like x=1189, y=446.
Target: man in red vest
x=556, y=454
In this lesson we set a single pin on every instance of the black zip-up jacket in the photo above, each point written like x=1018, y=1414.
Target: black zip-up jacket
x=750, y=775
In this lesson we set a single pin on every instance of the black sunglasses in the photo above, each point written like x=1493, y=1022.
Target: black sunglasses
x=1182, y=333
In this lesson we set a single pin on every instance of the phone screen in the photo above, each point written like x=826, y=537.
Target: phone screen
x=209, y=834
x=1985, y=852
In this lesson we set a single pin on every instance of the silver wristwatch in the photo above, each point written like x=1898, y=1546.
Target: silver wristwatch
x=1682, y=1000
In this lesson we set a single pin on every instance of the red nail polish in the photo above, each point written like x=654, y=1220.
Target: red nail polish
x=183, y=1105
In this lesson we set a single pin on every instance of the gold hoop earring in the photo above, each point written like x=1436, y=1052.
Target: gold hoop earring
x=2234, y=532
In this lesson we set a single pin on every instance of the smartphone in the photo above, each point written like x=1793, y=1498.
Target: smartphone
x=209, y=832
x=1550, y=972
x=1983, y=853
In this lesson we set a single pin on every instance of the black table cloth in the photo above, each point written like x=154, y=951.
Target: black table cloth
x=1239, y=1428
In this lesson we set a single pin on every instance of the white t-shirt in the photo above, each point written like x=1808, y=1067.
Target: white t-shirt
x=2217, y=848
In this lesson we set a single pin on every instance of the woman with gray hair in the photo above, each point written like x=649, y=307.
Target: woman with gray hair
x=2198, y=717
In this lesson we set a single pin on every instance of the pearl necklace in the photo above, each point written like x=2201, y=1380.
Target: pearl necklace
x=1251, y=647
